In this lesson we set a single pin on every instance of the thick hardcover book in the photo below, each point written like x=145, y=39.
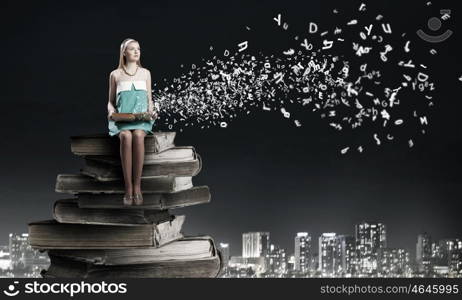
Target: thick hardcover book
x=186, y=248
x=50, y=234
x=68, y=211
x=189, y=257
x=178, y=161
x=193, y=196
x=78, y=183
x=104, y=144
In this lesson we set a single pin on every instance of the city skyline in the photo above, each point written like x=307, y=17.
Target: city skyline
x=351, y=232
x=344, y=252
x=411, y=249
x=364, y=254
x=236, y=252
x=264, y=173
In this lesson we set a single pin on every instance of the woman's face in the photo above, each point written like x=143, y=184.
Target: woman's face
x=132, y=51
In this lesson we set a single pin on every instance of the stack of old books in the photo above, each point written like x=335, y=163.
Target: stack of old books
x=94, y=235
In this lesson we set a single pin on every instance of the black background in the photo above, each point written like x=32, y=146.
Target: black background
x=264, y=173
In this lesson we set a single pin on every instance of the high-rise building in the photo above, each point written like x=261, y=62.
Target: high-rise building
x=346, y=254
x=394, y=262
x=5, y=261
x=451, y=254
x=437, y=254
x=455, y=258
x=302, y=252
x=26, y=261
x=21, y=253
x=277, y=260
x=424, y=253
x=255, y=244
x=327, y=254
x=224, y=249
x=291, y=263
x=314, y=261
x=370, y=237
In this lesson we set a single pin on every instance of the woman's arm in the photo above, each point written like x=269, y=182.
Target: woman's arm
x=112, y=88
x=148, y=84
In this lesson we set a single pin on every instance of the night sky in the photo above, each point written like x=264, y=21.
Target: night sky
x=264, y=173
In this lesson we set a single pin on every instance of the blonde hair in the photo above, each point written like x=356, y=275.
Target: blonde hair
x=122, y=59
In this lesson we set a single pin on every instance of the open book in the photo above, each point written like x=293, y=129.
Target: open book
x=130, y=117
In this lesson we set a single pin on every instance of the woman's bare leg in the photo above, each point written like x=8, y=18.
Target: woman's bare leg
x=138, y=158
x=125, y=137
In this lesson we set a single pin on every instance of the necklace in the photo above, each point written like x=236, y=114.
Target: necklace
x=123, y=67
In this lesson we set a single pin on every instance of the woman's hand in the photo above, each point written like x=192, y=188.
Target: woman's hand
x=109, y=116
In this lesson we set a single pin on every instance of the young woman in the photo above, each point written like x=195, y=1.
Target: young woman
x=130, y=92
